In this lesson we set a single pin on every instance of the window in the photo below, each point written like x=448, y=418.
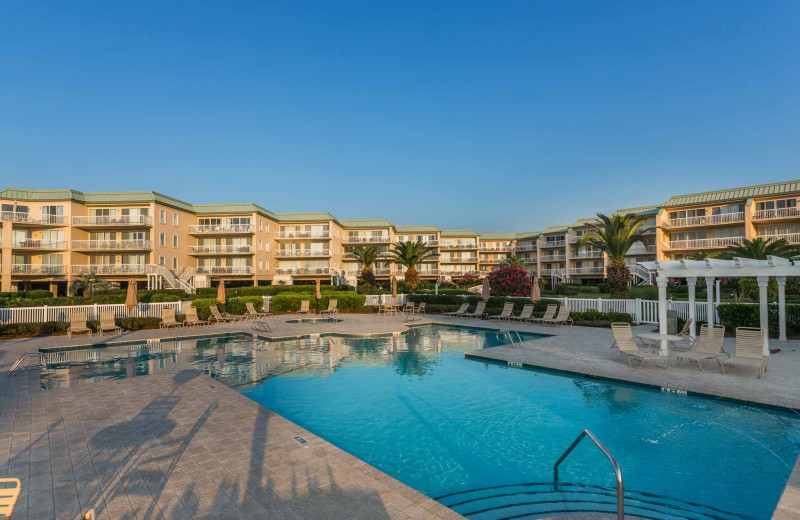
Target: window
x=260, y=245
x=209, y=221
x=174, y=262
x=162, y=240
x=260, y=264
x=162, y=260
x=726, y=210
x=687, y=213
x=261, y=224
x=238, y=221
x=776, y=204
x=163, y=216
x=175, y=241
x=175, y=219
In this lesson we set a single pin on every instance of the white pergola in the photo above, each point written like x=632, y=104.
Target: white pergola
x=710, y=269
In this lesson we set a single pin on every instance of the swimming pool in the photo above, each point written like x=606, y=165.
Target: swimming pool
x=482, y=438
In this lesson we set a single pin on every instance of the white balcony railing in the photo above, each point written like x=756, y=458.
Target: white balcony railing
x=225, y=269
x=792, y=238
x=110, y=269
x=705, y=243
x=42, y=269
x=639, y=249
x=551, y=272
x=586, y=270
x=459, y=246
x=302, y=252
x=587, y=254
x=221, y=229
x=525, y=248
x=502, y=249
x=553, y=258
x=305, y=271
x=554, y=243
x=432, y=258
x=485, y=260
x=459, y=259
x=303, y=234
x=39, y=244
x=706, y=220
x=33, y=218
x=765, y=214
x=112, y=220
x=222, y=250
x=105, y=245
x=367, y=240
x=450, y=272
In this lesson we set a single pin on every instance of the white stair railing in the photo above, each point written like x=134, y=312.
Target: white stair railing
x=641, y=276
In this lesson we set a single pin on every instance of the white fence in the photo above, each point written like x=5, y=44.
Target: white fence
x=642, y=311
x=381, y=299
x=62, y=313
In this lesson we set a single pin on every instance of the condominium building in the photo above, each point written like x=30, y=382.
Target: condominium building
x=51, y=237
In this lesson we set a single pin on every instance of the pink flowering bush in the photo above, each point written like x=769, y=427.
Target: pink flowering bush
x=510, y=281
x=468, y=280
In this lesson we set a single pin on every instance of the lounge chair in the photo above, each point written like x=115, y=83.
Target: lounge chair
x=107, y=323
x=9, y=493
x=253, y=313
x=460, y=312
x=168, y=319
x=77, y=324
x=549, y=314
x=525, y=315
x=332, y=307
x=305, y=306
x=629, y=349
x=708, y=346
x=508, y=310
x=562, y=318
x=192, y=319
x=684, y=334
x=480, y=312
x=749, y=350
x=420, y=310
x=218, y=317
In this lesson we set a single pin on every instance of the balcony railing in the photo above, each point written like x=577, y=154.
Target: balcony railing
x=574, y=240
x=553, y=258
x=792, y=238
x=485, y=260
x=459, y=246
x=39, y=244
x=110, y=269
x=367, y=240
x=42, y=269
x=302, y=252
x=525, y=248
x=706, y=220
x=642, y=250
x=554, y=243
x=502, y=249
x=705, y=243
x=457, y=273
x=382, y=272
x=764, y=214
x=221, y=229
x=303, y=234
x=432, y=258
x=551, y=272
x=105, y=245
x=112, y=220
x=529, y=259
x=305, y=271
x=586, y=270
x=33, y=218
x=587, y=254
x=222, y=250
x=459, y=260
x=225, y=269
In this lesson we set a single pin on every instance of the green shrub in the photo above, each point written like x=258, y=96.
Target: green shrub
x=644, y=292
x=34, y=329
x=203, y=306
x=143, y=323
x=348, y=301
x=33, y=295
x=238, y=306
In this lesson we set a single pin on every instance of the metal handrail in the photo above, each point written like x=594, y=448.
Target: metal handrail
x=614, y=464
x=17, y=366
x=507, y=335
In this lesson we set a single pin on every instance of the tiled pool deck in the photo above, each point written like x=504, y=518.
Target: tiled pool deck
x=173, y=447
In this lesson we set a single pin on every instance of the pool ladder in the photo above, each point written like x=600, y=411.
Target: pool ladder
x=508, y=337
x=18, y=365
x=609, y=456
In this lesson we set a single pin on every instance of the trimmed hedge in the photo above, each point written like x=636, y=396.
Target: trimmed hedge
x=348, y=301
x=734, y=315
x=595, y=318
x=272, y=290
x=146, y=296
x=49, y=328
x=35, y=294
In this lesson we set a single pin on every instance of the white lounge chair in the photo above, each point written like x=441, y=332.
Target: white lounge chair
x=508, y=310
x=525, y=315
x=629, y=349
x=549, y=314
x=708, y=346
x=333, y=308
x=219, y=317
x=107, y=323
x=77, y=324
x=9, y=493
x=562, y=318
x=749, y=350
x=460, y=312
x=253, y=313
x=168, y=319
x=305, y=307
x=192, y=319
x=479, y=313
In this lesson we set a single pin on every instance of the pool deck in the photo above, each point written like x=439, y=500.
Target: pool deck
x=173, y=447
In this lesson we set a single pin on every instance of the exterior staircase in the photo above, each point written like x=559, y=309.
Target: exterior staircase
x=158, y=276
x=640, y=275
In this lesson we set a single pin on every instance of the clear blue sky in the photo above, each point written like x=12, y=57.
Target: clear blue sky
x=499, y=116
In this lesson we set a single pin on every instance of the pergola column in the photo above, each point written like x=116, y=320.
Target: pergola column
x=711, y=315
x=692, y=283
x=661, y=281
x=782, y=307
x=763, y=303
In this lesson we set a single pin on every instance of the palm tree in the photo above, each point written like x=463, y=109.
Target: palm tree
x=702, y=255
x=367, y=256
x=760, y=248
x=615, y=235
x=409, y=255
x=514, y=260
x=88, y=284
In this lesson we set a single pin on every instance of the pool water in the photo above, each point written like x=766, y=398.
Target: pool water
x=483, y=438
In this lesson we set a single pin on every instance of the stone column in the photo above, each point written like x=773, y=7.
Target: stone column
x=763, y=303
x=661, y=281
x=710, y=300
x=692, y=283
x=782, y=307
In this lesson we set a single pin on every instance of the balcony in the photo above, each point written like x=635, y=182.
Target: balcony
x=584, y=271
x=225, y=269
x=705, y=243
x=459, y=246
x=221, y=229
x=112, y=245
x=459, y=260
x=574, y=240
x=792, y=238
x=553, y=258
x=490, y=260
x=639, y=249
x=367, y=240
x=525, y=248
x=107, y=269
x=776, y=214
x=382, y=272
x=586, y=254
x=38, y=269
x=92, y=221
x=36, y=219
x=297, y=235
x=302, y=253
x=432, y=258
x=500, y=249
x=39, y=244
x=306, y=271
x=457, y=273
x=551, y=272
x=554, y=243
x=222, y=250
x=707, y=220
x=529, y=259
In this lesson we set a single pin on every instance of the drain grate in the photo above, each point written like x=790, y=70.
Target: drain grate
x=301, y=441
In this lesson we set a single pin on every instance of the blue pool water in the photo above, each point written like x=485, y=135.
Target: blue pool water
x=482, y=438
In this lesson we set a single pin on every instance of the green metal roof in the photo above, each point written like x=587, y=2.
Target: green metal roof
x=498, y=236
x=527, y=234
x=642, y=211
x=555, y=229
x=98, y=197
x=365, y=223
x=459, y=233
x=231, y=209
x=748, y=192
x=416, y=229
x=322, y=216
x=583, y=222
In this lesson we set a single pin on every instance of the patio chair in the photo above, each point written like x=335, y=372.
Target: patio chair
x=708, y=346
x=629, y=349
x=420, y=310
x=192, y=319
x=107, y=323
x=549, y=314
x=305, y=307
x=684, y=334
x=562, y=318
x=9, y=493
x=218, y=317
x=168, y=319
x=253, y=313
x=508, y=310
x=749, y=350
x=77, y=324
x=332, y=308
x=525, y=315
x=460, y=312
x=480, y=312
